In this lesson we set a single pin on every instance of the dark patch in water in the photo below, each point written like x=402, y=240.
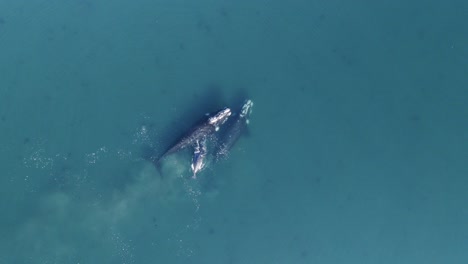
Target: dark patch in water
x=223, y=12
x=204, y=26
x=181, y=46
x=211, y=231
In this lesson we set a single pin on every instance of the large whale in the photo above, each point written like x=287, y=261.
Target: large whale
x=233, y=130
x=199, y=132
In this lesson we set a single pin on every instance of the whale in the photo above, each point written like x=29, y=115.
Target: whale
x=233, y=130
x=198, y=134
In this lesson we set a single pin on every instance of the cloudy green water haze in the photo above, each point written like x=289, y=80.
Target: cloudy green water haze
x=357, y=148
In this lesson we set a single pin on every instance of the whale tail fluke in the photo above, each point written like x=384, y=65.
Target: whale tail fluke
x=158, y=164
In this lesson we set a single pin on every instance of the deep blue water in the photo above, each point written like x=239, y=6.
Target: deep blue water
x=357, y=148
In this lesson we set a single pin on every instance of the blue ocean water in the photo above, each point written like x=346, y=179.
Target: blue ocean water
x=356, y=150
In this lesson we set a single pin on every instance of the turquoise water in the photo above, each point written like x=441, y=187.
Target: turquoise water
x=356, y=152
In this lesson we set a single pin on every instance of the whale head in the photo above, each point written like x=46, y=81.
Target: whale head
x=246, y=108
x=219, y=118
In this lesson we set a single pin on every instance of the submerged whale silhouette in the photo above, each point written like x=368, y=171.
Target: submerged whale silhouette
x=233, y=130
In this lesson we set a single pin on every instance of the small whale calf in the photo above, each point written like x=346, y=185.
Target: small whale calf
x=197, y=138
